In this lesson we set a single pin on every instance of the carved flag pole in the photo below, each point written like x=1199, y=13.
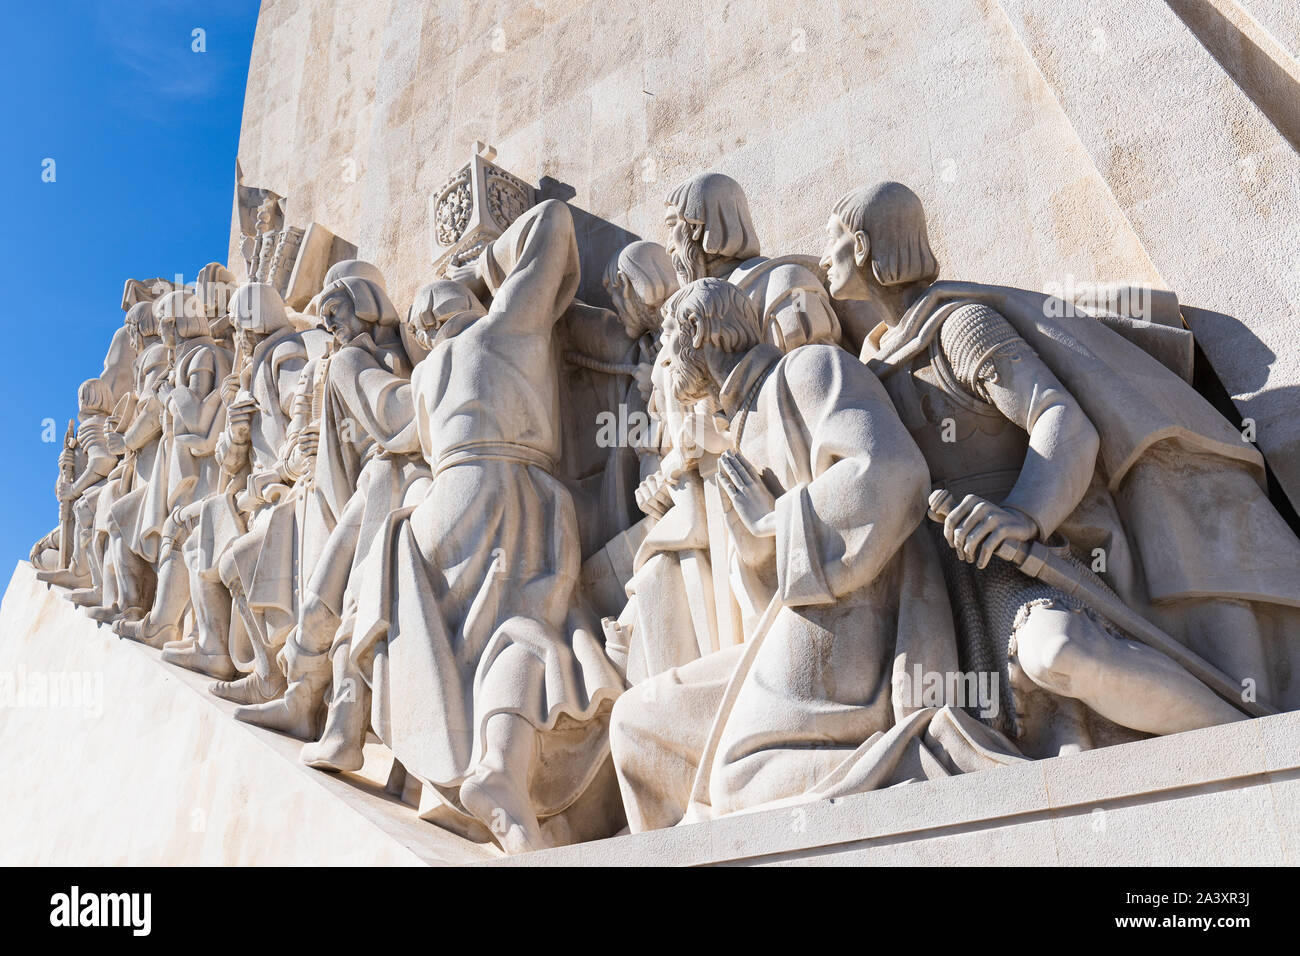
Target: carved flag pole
x=68, y=466
x=1037, y=560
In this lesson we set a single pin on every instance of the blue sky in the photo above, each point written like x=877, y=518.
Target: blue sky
x=143, y=132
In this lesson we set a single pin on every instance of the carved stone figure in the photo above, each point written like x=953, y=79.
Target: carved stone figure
x=1039, y=429
x=241, y=554
x=91, y=451
x=985, y=536
x=489, y=687
x=823, y=490
x=606, y=432
x=710, y=233
x=639, y=279
x=185, y=469
x=367, y=456
x=129, y=517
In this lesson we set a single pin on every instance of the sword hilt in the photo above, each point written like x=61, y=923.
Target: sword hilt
x=942, y=501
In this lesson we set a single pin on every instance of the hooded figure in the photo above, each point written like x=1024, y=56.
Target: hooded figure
x=185, y=471
x=244, y=548
x=367, y=456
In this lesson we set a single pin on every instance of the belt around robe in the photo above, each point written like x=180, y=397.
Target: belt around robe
x=471, y=452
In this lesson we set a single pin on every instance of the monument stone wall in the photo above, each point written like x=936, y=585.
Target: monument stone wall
x=1106, y=142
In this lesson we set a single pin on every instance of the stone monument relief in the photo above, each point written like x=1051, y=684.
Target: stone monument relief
x=572, y=500
x=1000, y=529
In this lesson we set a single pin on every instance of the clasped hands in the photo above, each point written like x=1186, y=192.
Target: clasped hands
x=694, y=434
x=239, y=419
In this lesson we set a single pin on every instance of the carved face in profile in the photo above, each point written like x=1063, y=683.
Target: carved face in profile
x=339, y=316
x=140, y=325
x=683, y=365
x=246, y=340
x=167, y=330
x=843, y=257
x=684, y=247
x=636, y=316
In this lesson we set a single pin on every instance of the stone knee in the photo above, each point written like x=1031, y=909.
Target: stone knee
x=1058, y=648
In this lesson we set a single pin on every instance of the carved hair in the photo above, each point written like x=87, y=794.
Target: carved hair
x=213, y=288
x=892, y=217
x=140, y=317
x=353, y=267
x=647, y=268
x=370, y=303
x=94, y=396
x=715, y=312
x=258, y=308
x=186, y=310
x=717, y=202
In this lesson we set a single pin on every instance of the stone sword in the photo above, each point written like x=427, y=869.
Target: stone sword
x=1037, y=560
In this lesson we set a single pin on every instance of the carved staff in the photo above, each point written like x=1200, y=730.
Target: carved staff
x=244, y=366
x=1038, y=561
x=318, y=405
x=68, y=471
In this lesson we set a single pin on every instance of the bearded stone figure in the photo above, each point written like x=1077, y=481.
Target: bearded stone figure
x=710, y=233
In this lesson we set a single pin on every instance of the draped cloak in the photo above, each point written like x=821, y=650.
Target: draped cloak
x=474, y=609
x=184, y=471
x=849, y=598
x=125, y=506
x=261, y=552
x=367, y=458
x=1177, y=489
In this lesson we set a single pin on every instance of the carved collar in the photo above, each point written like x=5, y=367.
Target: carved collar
x=738, y=389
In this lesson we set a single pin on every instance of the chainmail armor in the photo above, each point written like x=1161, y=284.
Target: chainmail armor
x=970, y=338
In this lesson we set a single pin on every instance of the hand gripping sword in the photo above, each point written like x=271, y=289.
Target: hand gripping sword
x=1037, y=560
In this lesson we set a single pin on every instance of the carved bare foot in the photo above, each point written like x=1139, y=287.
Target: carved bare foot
x=251, y=689
x=189, y=656
x=333, y=753
x=86, y=597
x=491, y=798
x=144, y=631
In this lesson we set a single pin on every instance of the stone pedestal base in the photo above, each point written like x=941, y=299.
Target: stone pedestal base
x=108, y=756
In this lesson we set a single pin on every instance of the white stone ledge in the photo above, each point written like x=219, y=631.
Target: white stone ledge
x=166, y=775
x=1225, y=795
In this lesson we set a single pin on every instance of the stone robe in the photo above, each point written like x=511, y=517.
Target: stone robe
x=184, y=469
x=364, y=467
x=127, y=513
x=257, y=542
x=847, y=597
x=474, y=612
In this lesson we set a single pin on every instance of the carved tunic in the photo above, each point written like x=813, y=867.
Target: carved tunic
x=477, y=611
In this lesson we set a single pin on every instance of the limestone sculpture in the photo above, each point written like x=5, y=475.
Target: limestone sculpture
x=768, y=530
